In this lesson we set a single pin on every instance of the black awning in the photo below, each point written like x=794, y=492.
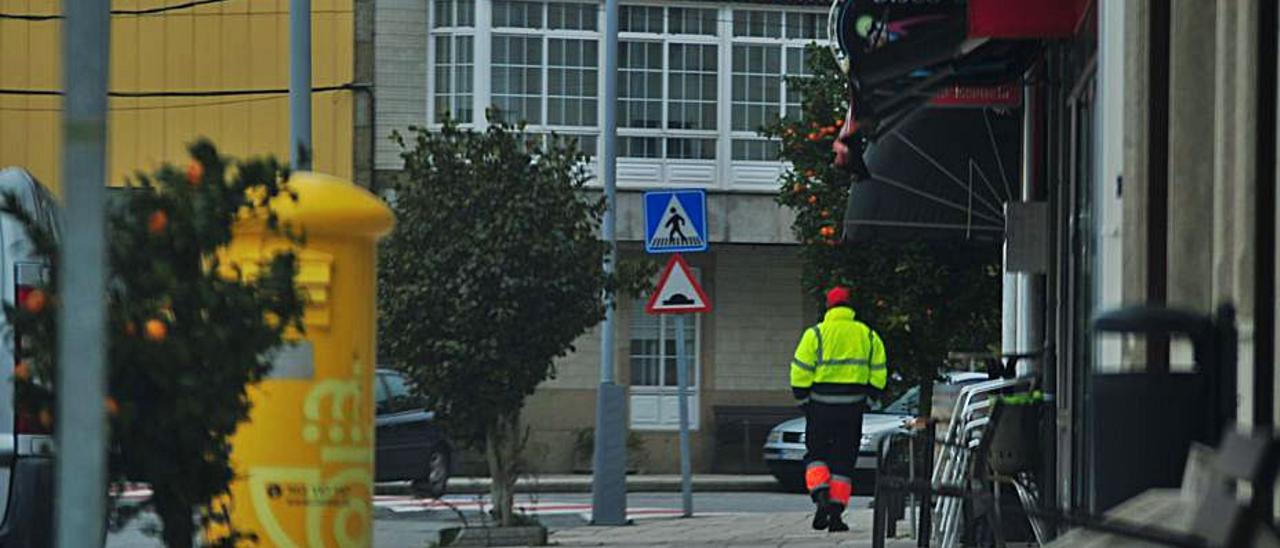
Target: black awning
x=943, y=174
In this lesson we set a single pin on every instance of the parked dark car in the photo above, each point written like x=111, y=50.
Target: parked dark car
x=411, y=444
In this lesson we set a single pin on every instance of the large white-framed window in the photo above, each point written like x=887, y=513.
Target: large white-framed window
x=696, y=80
x=545, y=68
x=452, y=51
x=668, y=93
x=654, y=397
x=768, y=48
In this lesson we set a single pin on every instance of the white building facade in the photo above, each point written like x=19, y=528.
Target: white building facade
x=696, y=79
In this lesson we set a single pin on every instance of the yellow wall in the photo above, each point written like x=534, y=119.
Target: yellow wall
x=234, y=44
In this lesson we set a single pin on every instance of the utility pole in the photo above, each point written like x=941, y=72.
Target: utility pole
x=300, y=151
x=81, y=467
x=609, y=480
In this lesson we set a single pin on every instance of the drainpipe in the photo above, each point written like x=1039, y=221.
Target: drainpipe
x=1031, y=286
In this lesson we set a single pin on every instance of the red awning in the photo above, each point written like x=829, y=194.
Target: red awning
x=1020, y=19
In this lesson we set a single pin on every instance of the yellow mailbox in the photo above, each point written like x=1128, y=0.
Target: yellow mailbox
x=304, y=461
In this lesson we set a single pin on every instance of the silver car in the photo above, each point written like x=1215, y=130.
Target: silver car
x=784, y=448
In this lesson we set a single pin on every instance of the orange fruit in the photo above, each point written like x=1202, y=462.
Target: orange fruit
x=113, y=408
x=156, y=330
x=36, y=301
x=22, y=371
x=827, y=231
x=46, y=418
x=839, y=122
x=157, y=222
x=195, y=172
x=814, y=136
x=826, y=213
x=813, y=200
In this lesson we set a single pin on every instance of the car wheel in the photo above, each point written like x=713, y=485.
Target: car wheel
x=435, y=479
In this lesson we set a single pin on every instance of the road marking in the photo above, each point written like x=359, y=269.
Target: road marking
x=470, y=504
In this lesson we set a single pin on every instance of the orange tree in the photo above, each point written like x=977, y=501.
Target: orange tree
x=924, y=298
x=186, y=334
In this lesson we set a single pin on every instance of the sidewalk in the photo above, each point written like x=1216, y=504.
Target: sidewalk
x=582, y=484
x=783, y=529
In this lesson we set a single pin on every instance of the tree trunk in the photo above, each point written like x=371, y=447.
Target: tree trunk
x=177, y=520
x=502, y=448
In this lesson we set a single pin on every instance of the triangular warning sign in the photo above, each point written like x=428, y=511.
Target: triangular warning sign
x=675, y=229
x=677, y=291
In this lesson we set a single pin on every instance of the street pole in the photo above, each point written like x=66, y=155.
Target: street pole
x=80, y=486
x=609, y=480
x=300, y=151
x=682, y=374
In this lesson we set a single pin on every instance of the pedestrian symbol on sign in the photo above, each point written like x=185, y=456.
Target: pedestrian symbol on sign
x=676, y=221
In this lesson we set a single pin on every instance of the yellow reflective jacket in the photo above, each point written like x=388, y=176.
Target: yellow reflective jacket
x=838, y=361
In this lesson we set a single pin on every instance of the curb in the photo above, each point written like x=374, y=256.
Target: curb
x=635, y=484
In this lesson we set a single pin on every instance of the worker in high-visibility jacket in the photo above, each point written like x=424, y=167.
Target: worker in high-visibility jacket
x=838, y=365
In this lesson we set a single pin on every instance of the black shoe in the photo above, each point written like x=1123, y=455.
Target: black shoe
x=821, y=519
x=836, y=524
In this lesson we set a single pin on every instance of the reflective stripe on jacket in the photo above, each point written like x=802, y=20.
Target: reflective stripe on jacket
x=839, y=360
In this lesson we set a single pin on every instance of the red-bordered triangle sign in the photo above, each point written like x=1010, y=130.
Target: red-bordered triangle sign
x=678, y=292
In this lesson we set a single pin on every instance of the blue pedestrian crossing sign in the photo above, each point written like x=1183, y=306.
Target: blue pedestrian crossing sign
x=675, y=221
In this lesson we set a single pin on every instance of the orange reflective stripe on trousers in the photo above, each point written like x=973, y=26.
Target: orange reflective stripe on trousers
x=841, y=490
x=817, y=476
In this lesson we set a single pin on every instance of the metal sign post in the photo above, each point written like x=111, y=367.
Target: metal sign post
x=300, y=150
x=608, y=471
x=680, y=294
x=682, y=374
x=81, y=429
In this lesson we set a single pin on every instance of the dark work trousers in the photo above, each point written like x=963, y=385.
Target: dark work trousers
x=832, y=435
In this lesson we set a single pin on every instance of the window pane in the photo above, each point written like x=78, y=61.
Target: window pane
x=644, y=348
x=691, y=85
x=639, y=147
x=756, y=150
x=517, y=77
x=586, y=143
x=571, y=82
x=757, y=83
x=443, y=16
x=516, y=14
x=692, y=21
x=797, y=59
x=571, y=16
x=640, y=19
x=691, y=149
x=640, y=85
x=806, y=26
x=380, y=391
x=466, y=11
x=453, y=77
x=763, y=24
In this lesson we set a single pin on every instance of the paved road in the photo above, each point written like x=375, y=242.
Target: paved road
x=402, y=521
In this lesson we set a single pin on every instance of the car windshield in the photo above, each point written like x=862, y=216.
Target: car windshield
x=906, y=404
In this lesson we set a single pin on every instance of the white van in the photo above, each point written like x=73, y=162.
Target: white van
x=26, y=446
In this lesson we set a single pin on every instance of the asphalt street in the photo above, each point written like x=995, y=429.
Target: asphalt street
x=401, y=521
